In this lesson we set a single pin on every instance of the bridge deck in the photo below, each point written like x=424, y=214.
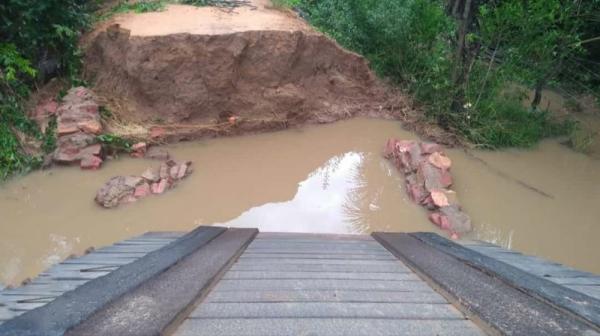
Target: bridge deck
x=291, y=284
x=218, y=281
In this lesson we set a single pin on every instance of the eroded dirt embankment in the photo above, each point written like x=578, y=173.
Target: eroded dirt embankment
x=264, y=79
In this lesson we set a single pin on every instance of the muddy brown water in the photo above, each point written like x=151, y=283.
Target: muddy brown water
x=329, y=178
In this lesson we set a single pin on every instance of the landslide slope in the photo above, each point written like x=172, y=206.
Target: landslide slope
x=202, y=66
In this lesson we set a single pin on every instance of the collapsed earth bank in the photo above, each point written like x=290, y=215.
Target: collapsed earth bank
x=234, y=83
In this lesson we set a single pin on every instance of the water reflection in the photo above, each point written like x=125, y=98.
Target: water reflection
x=333, y=199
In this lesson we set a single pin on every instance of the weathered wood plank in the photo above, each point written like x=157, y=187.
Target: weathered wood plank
x=73, y=307
x=584, y=306
x=319, y=275
x=302, y=284
x=405, y=311
x=152, y=307
x=341, y=267
x=502, y=307
x=324, y=296
x=326, y=327
x=346, y=256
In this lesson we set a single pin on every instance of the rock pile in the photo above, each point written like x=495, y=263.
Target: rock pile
x=77, y=125
x=428, y=180
x=127, y=189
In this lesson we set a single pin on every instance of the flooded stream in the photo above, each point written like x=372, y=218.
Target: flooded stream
x=329, y=178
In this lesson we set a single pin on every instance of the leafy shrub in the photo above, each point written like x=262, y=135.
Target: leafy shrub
x=40, y=42
x=412, y=43
x=136, y=7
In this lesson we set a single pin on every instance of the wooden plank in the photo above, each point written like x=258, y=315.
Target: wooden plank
x=326, y=327
x=302, y=284
x=390, y=310
x=319, y=275
x=341, y=267
x=313, y=261
x=153, y=306
x=345, y=256
x=490, y=299
x=576, y=302
x=71, y=308
x=272, y=295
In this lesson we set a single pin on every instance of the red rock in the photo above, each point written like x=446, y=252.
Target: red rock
x=80, y=91
x=439, y=198
x=390, y=148
x=95, y=150
x=142, y=190
x=151, y=175
x=416, y=193
x=163, y=171
x=66, y=155
x=435, y=218
x=404, y=146
x=90, y=126
x=427, y=202
x=118, y=190
x=157, y=132
x=433, y=177
x=459, y=221
x=454, y=236
x=90, y=162
x=429, y=148
x=78, y=139
x=440, y=160
x=160, y=187
x=92, y=109
x=66, y=128
x=139, y=147
x=181, y=171
x=412, y=156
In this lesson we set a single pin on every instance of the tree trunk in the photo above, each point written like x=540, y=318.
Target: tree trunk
x=537, y=96
x=463, y=11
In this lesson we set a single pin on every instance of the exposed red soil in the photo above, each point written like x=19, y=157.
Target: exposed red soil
x=188, y=85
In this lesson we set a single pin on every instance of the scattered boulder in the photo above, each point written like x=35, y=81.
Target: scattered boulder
x=90, y=162
x=151, y=175
x=118, y=190
x=428, y=179
x=138, y=150
x=126, y=189
x=78, y=123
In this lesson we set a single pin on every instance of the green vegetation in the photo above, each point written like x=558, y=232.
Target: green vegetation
x=38, y=41
x=114, y=143
x=143, y=6
x=459, y=61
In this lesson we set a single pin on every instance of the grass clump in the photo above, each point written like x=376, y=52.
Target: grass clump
x=143, y=6
x=114, y=143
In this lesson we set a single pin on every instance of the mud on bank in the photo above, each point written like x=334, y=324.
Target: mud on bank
x=193, y=85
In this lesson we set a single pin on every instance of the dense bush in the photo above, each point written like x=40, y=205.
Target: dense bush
x=38, y=40
x=413, y=43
